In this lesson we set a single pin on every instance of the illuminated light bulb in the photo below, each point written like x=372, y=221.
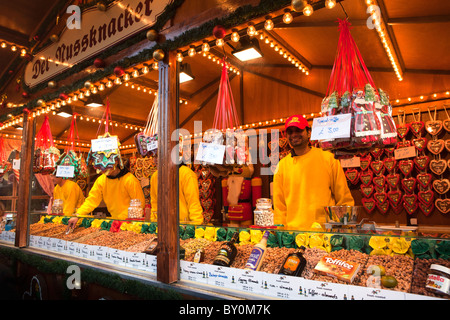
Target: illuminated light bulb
x=179, y=57
x=23, y=52
x=126, y=77
x=205, y=47
x=109, y=84
x=266, y=40
x=3, y=45
x=287, y=17
x=447, y=93
x=191, y=52
x=251, y=30
x=409, y=99
x=421, y=97
x=268, y=25
x=330, y=4
x=155, y=65
x=220, y=42
x=13, y=48
x=145, y=70
x=101, y=87
x=235, y=36
x=135, y=73
x=308, y=10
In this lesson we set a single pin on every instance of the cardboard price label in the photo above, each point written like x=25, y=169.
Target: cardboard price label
x=210, y=152
x=331, y=127
x=65, y=171
x=104, y=144
x=406, y=152
x=351, y=162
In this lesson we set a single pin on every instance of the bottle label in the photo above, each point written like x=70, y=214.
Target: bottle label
x=254, y=259
x=291, y=263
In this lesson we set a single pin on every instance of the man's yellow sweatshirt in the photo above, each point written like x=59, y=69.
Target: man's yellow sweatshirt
x=71, y=195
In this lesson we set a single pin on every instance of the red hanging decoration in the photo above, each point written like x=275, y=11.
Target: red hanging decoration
x=46, y=154
x=5, y=166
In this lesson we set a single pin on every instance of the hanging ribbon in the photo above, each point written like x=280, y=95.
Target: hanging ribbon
x=44, y=137
x=225, y=115
x=73, y=133
x=106, y=116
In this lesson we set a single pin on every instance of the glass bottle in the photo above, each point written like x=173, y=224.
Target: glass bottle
x=227, y=252
x=257, y=255
x=294, y=264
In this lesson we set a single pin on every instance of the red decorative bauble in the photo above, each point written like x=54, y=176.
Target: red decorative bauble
x=118, y=71
x=219, y=32
x=63, y=96
x=99, y=63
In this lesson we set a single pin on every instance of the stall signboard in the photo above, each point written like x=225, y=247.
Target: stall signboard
x=95, y=31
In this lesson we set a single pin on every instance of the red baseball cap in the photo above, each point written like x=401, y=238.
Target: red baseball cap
x=296, y=121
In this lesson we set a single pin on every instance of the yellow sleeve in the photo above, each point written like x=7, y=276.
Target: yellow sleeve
x=134, y=189
x=94, y=198
x=340, y=189
x=154, y=196
x=279, y=201
x=73, y=199
x=192, y=196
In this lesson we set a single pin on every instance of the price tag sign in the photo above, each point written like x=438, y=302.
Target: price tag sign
x=152, y=145
x=16, y=164
x=331, y=127
x=104, y=144
x=210, y=152
x=406, y=152
x=65, y=171
x=351, y=162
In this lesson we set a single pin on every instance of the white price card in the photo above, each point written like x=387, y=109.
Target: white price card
x=331, y=127
x=210, y=152
x=250, y=281
x=406, y=152
x=104, y=144
x=65, y=171
x=152, y=145
x=221, y=276
x=16, y=164
x=351, y=162
x=193, y=271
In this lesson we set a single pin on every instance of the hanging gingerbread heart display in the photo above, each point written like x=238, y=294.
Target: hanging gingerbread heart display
x=417, y=128
x=443, y=205
x=426, y=209
x=421, y=162
x=433, y=127
x=446, y=124
x=441, y=186
x=438, y=167
x=389, y=163
x=403, y=144
x=379, y=181
x=435, y=146
x=424, y=179
x=377, y=152
x=364, y=163
x=410, y=209
x=395, y=197
x=352, y=175
x=377, y=166
x=405, y=166
x=447, y=145
x=383, y=207
x=409, y=199
x=402, y=130
x=409, y=184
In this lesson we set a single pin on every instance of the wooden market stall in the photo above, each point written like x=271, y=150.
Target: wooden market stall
x=130, y=52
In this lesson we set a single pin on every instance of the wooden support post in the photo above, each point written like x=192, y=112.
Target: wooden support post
x=168, y=220
x=26, y=167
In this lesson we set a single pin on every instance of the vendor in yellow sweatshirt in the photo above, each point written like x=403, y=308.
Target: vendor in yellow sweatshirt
x=116, y=188
x=306, y=180
x=190, y=210
x=69, y=192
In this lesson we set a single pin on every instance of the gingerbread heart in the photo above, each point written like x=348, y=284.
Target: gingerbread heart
x=377, y=166
x=409, y=184
x=426, y=209
x=438, y=166
x=420, y=143
x=364, y=163
x=389, y=164
x=410, y=209
x=403, y=144
x=366, y=190
x=424, y=179
x=447, y=145
x=397, y=209
x=402, y=131
x=389, y=151
x=405, y=166
x=206, y=184
x=380, y=197
x=369, y=204
x=435, y=146
x=421, y=162
x=366, y=177
x=443, y=205
x=379, y=181
x=377, y=152
x=409, y=199
x=426, y=197
x=433, y=127
x=352, y=175
x=446, y=124
x=395, y=197
x=207, y=204
x=417, y=127
x=383, y=207
x=392, y=180
x=441, y=186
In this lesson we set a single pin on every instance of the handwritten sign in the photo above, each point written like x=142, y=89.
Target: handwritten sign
x=104, y=144
x=406, y=152
x=331, y=127
x=152, y=145
x=351, y=162
x=16, y=164
x=210, y=152
x=65, y=171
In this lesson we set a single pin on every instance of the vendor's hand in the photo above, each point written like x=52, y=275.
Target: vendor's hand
x=72, y=223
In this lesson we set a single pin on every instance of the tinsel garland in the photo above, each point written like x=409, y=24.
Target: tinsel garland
x=239, y=16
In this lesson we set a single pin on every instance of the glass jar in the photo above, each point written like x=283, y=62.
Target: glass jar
x=135, y=210
x=438, y=280
x=263, y=215
x=57, y=206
